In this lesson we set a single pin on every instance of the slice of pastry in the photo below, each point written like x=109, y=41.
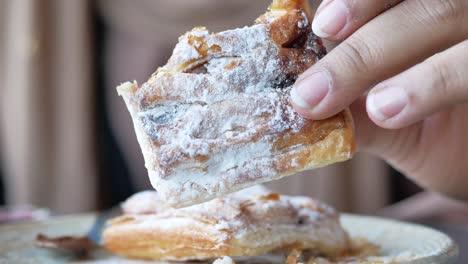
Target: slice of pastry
x=247, y=223
x=217, y=117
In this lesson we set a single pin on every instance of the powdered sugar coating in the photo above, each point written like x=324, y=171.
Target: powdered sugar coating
x=217, y=117
x=254, y=218
x=237, y=212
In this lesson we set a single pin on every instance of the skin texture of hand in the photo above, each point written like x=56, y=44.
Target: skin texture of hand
x=403, y=68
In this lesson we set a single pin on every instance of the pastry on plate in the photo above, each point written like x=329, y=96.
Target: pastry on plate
x=251, y=222
x=217, y=117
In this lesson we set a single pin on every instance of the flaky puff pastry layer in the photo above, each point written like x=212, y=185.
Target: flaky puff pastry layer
x=247, y=223
x=217, y=117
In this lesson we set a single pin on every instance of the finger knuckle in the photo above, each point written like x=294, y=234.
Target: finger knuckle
x=443, y=76
x=436, y=11
x=360, y=53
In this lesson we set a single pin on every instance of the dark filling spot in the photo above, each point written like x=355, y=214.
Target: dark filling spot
x=315, y=44
x=284, y=81
x=302, y=219
x=162, y=119
x=297, y=43
x=198, y=69
x=153, y=122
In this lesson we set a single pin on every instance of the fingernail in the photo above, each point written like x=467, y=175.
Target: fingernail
x=331, y=20
x=311, y=90
x=387, y=102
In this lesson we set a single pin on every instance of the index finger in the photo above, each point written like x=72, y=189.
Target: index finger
x=389, y=44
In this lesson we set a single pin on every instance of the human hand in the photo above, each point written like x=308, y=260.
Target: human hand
x=405, y=63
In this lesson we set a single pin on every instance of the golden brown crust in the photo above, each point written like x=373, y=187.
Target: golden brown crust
x=249, y=223
x=217, y=117
x=150, y=242
x=290, y=5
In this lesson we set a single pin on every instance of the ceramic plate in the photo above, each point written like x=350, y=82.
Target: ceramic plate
x=399, y=242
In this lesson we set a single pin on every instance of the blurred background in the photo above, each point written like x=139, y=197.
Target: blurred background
x=67, y=141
